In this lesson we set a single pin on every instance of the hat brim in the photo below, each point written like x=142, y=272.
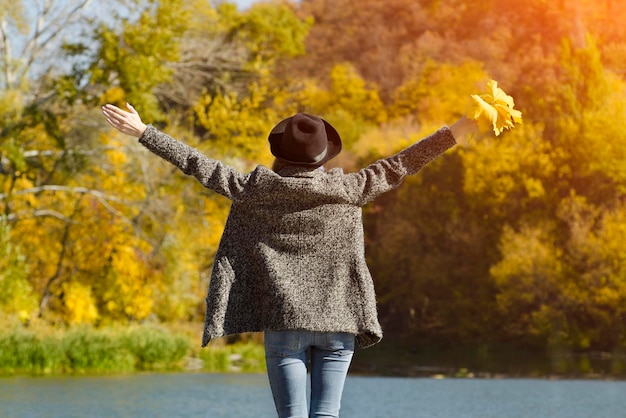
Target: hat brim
x=333, y=147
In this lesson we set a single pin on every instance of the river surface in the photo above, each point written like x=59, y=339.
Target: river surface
x=191, y=395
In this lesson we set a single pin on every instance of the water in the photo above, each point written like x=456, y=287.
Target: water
x=242, y=395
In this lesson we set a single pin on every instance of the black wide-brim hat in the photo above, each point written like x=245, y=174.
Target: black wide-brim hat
x=304, y=140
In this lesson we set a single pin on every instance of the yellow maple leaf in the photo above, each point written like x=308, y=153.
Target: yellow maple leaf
x=494, y=109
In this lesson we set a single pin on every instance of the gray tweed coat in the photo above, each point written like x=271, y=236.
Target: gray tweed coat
x=292, y=251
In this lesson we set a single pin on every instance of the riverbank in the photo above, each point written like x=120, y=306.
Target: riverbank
x=45, y=350
x=88, y=350
x=488, y=362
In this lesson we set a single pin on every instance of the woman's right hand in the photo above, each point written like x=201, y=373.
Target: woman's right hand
x=128, y=123
x=462, y=130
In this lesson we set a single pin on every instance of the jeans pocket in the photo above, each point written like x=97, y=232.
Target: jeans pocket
x=282, y=343
x=340, y=343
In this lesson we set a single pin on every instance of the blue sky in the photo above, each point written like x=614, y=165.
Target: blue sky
x=243, y=4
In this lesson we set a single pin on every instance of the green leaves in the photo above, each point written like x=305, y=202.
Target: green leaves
x=269, y=31
x=138, y=60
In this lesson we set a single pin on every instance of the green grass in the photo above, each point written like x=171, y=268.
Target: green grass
x=90, y=350
x=23, y=352
x=154, y=348
x=246, y=357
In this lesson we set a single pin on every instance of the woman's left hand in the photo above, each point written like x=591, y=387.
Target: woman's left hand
x=126, y=122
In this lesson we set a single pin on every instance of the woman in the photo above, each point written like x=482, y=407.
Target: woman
x=291, y=259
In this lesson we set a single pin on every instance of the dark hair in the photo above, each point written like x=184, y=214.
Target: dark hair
x=278, y=165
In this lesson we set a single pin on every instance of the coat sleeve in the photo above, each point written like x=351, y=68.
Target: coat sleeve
x=387, y=174
x=211, y=173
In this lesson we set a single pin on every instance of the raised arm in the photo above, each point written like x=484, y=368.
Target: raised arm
x=387, y=174
x=211, y=173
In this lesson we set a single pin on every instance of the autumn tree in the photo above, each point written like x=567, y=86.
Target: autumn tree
x=39, y=143
x=210, y=87
x=488, y=196
x=572, y=243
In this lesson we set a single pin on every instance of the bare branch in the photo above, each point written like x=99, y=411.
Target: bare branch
x=58, y=188
x=103, y=198
x=204, y=61
x=58, y=153
x=55, y=153
x=5, y=50
x=12, y=217
x=48, y=27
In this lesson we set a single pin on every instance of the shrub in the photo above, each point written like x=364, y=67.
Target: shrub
x=90, y=350
x=241, y=357
x=22, y=351
x=154, y=348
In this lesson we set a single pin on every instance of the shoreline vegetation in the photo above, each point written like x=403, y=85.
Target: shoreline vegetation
x=85, y=350
x=138, y=348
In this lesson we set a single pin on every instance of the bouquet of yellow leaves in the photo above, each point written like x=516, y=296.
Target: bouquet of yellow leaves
x=494, y=109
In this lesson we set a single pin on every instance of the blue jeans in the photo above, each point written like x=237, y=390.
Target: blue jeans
x=286, y=358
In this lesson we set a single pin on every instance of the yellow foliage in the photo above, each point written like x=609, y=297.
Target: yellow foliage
x=602, y=142
x=516, y=165
x=352, y=94
x=114, y=95
x=528, y=277
x=129, y=284
x=349, y=103
x=439, y=94
x=14, y=12
x=238, y=125
x=11, y=102
x=534, y=187
x=549, y=322
x=41, y=237
x=16, y=295
x=79, y=303
x=387, y=139
x=543, y=283
x=348, y=93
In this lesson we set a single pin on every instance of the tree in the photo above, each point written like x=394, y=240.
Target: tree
x=53, y=202
x=17, y=297
x=133, y=62
x=565, y=293
x=28, y=41
x=370, y=35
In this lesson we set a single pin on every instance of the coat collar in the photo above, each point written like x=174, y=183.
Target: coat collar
x=299, y=171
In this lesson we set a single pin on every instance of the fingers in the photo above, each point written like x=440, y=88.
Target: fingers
x=115, y=116
x=126, y=122
x=116, y=110
x=112, y=109
x=131, y=108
